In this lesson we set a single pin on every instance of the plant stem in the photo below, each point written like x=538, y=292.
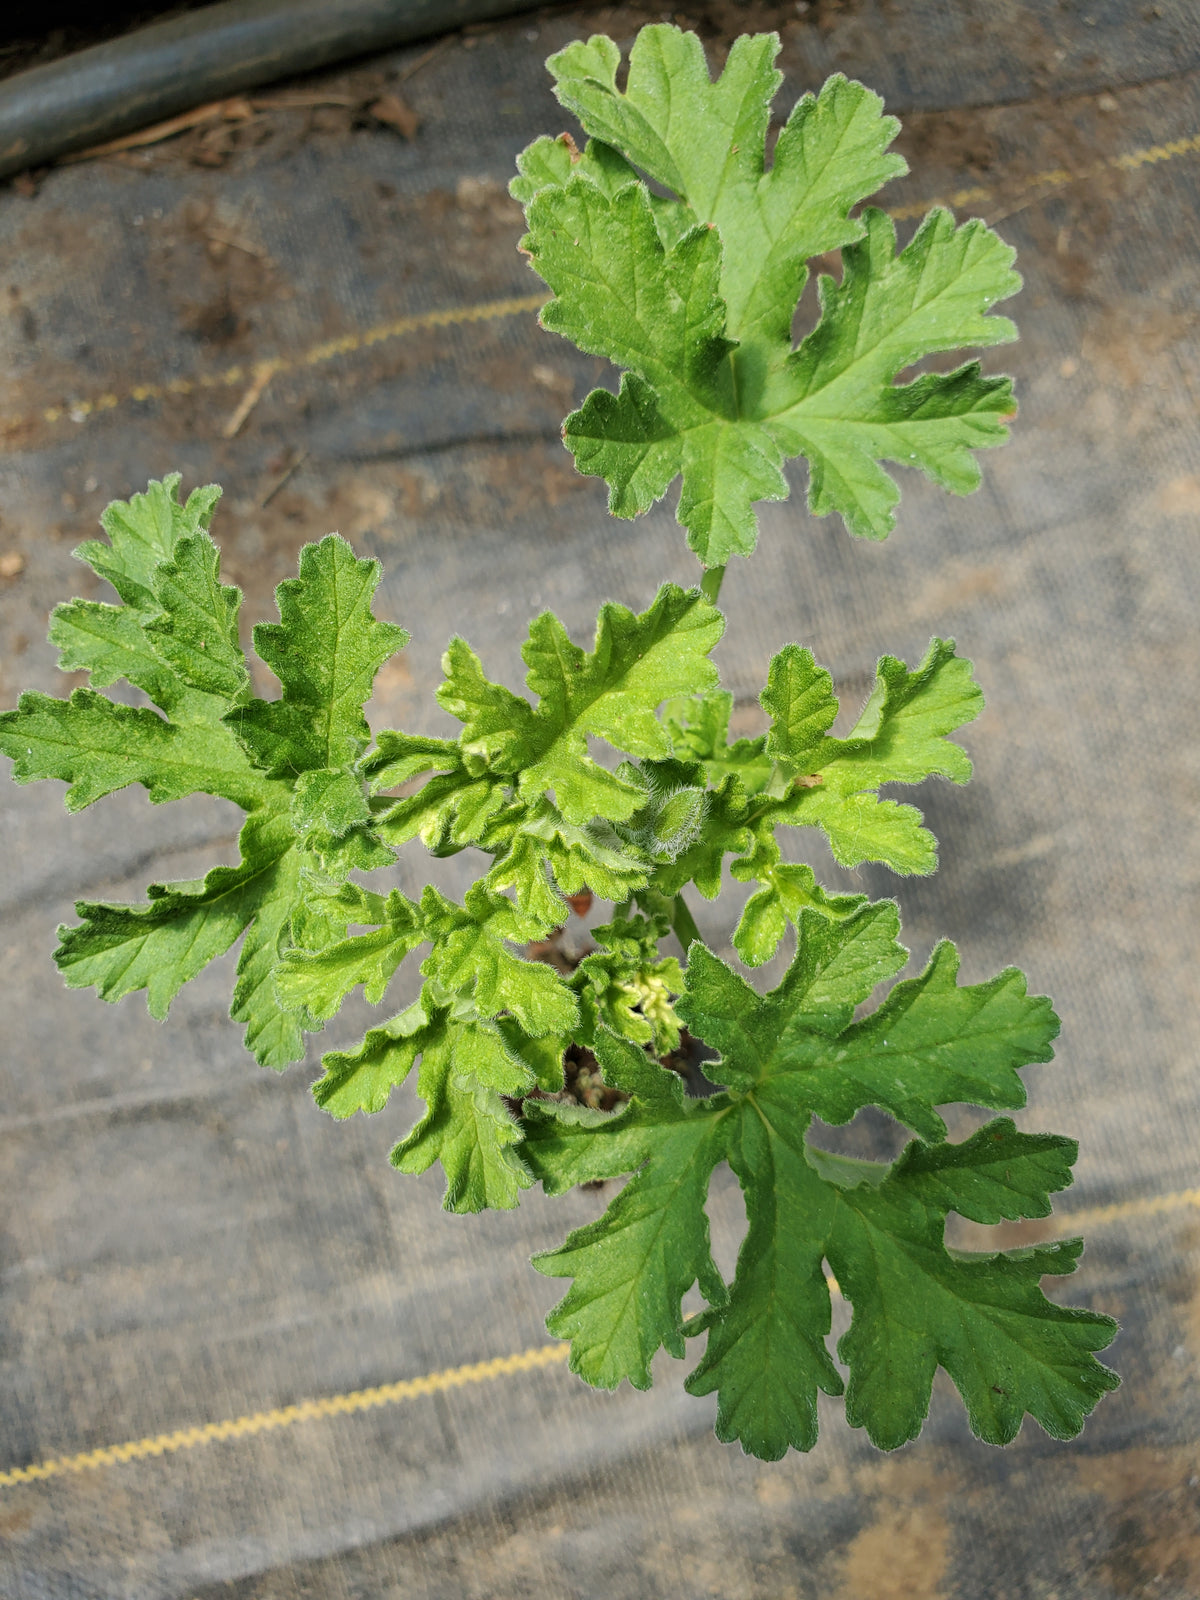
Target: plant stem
x=710, y=583
x=683, y=923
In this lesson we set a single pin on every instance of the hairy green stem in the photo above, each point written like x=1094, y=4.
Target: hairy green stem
x=710, y=583
x=683, y=923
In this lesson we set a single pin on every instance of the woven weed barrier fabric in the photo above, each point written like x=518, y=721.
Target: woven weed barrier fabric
x=333, y=322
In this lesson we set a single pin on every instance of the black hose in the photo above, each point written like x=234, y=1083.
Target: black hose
x=169, y=67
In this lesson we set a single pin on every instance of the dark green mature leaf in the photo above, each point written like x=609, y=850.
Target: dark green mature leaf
x=785, y=1057
x=983, y=1318
x=694, y=296
x=633, y=1266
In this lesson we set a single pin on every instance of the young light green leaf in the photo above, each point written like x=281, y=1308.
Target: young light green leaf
x=705, y=142
x=317, y=981
x=327, y=803
x=97, y=746
x=628, y=987
x=699, y=730
x=111, y=643
x=801, y=704
x=449, y=812
x=362, y=1079
x=397, y=757
x=592, y=857
x=465, y=1068
x=837, y=401
x=787, y=889
x=325, y=650
x=695, y=296
x=143, y=532
x=610, y=692
x=470, y=957
x=466, y=1065
x=901, y=737
x=196, y=630
x=176, y=638
x=550, y=163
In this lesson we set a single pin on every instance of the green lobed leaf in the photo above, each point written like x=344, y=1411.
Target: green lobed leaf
x=325, y=650
x=175, y=637
x=470, y=957
x=466, y=1065
x=694, y=295
x=784, y=1057
x=699, y=729
x=142, y=533
x=98, y=746
x=160, y=946
x=787, y=888
x=610, y=692
x=362, y=1079
x=196, y=629
x=982, y=1317
x=900, y=737
x=318, y=980
x=633, y=1266
x=465, y=1068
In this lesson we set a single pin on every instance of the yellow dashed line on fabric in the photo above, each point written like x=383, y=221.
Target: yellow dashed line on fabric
x=1152, y=1206
x=1056, y=178
x=390, y=1394
x=336, y=1405
x=258, y=374
x=260, y=371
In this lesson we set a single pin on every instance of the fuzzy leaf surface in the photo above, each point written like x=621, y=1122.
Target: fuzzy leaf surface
x=610, y=692
x=325, y=650
x=465, y=1066
x=175, y=637
x=900, y=737
x=694, y=296
x=317, y=981
x=158, y=947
